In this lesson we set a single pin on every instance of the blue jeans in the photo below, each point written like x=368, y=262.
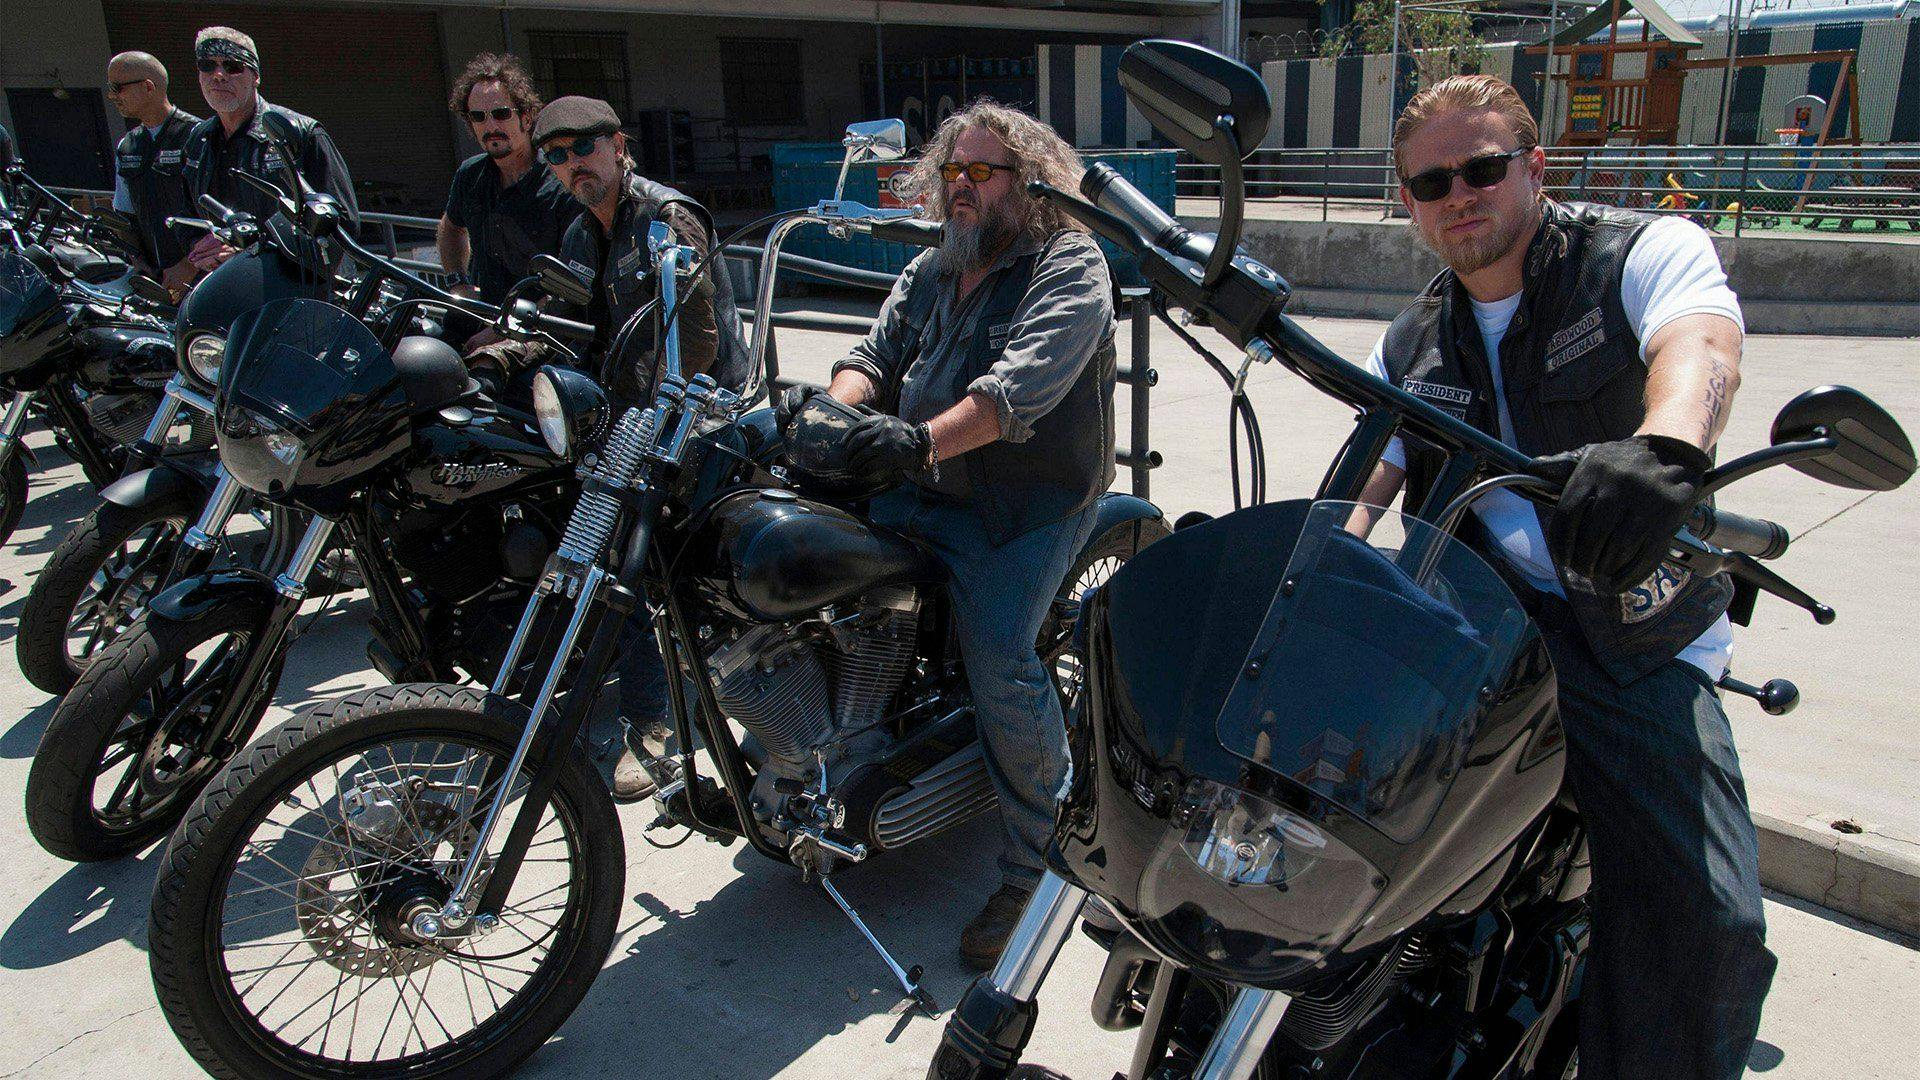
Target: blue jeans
x=1678, y=965
x=643, y=675
x=1000, y=597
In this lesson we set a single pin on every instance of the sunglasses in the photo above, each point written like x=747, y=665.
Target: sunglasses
x=479, y=116
x=580, y=147
x=977, y=171
x=121, y=87
x=209, y=65
x=1482, y=172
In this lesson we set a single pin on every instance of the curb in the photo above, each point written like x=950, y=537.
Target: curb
x=1861, y=875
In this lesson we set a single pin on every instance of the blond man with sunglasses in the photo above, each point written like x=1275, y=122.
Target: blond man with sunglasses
x=1607, y=344
x=230, y=142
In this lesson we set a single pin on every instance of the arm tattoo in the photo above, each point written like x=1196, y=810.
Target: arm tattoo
x=1719, y=391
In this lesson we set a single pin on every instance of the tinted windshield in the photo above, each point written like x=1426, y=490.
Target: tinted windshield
x=24, y=291
x=295, y=358
x=1365, y=681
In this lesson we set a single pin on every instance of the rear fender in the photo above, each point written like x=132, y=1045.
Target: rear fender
x=1114, y=509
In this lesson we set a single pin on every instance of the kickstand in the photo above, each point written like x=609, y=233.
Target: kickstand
x=909, y=978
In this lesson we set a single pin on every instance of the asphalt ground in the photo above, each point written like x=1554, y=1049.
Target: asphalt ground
x=728, y=966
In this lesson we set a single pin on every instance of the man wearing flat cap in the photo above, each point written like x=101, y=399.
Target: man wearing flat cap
x=230, y=142
x=580, y=139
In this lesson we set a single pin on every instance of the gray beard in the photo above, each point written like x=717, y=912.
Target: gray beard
x=591, y=191
x=971, y=247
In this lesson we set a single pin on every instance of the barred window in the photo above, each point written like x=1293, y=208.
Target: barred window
x=760, y=82
x=591, y=65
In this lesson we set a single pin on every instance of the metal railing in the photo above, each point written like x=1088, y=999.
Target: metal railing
x=1816, y=189
x=383, y=233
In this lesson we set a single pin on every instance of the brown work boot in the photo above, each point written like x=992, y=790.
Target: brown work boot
x=631, y=780
x=986, y=935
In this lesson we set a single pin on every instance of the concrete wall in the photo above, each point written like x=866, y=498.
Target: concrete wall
x=1786, y=286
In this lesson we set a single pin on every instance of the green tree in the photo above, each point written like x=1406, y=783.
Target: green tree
x=1442, y=43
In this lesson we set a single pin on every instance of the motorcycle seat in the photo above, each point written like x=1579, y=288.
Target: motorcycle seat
x=86, y=264
x=431, y=371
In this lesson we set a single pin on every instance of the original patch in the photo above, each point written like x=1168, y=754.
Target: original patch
x=169, y=157
x=997, y=335
x=628, y=262
x=1571, y=342
x=130, y=161
x=270, y=161
x=1452, y=400
x=1651, y=597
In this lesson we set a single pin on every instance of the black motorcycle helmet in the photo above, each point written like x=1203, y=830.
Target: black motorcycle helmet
x=1290, y=753
x=817, y=452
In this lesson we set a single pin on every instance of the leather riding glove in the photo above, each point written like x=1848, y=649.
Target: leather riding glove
x=791, y=401
x=1620, y=506
x=887, y=442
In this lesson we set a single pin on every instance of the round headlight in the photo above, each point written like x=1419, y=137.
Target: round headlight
x=571, y=408
x=548, y=410
x=261, y=455
x=204, y=353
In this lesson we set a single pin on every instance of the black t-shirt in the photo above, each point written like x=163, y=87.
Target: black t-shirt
x=507, y=227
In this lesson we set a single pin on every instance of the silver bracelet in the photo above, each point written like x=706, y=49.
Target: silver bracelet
x=933, y=453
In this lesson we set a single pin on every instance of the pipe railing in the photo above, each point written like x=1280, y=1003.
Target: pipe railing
x=1746, y=186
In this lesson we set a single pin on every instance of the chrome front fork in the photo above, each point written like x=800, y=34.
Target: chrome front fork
x=175, y=394
x=13, y=420
x=203, y=533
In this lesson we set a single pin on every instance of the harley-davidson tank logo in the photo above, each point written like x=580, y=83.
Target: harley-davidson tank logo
x=462, y=475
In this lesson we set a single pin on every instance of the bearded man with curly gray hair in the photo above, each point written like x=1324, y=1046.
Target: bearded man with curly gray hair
x=989, y=384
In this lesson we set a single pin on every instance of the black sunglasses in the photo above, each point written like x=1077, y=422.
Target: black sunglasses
x=479, y=116
x=208, y=65
x=580, y=147
x=977, y=171
x=121, y=87
x=1482, y=172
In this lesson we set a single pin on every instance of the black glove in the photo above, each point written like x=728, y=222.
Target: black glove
x=887, y=442
x=791, y=401
x=1620, y=506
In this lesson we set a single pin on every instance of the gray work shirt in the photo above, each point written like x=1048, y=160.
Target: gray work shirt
x=1065, y=315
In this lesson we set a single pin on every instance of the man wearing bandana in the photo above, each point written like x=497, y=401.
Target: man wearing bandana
x=230, y=142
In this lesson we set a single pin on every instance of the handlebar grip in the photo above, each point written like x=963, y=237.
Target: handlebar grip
x=1107, y=189
x=1112, y=228
x=564, y=328
x=1757, y=537
x=213, y=206
x=914, y=231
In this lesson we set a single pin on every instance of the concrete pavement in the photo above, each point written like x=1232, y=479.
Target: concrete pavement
x=729, y=967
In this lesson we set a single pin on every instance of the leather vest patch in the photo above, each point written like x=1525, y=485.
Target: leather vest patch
x=1654, y=595
x=1452, y=400
x=1575, y=340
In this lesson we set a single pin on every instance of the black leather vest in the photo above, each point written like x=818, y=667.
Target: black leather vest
x=1066, y=464
x=153, y=169
x=623, y=283
x=1572, y=375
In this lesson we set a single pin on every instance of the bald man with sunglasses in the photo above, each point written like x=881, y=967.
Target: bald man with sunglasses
x=1607, y=344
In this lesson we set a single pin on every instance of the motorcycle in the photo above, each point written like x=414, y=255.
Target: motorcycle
x=433, y=828
x=446, y=503
x=166, y=517
x=85, y=342
x=1318, y=777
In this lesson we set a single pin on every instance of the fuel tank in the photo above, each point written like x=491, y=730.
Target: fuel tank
x=117, y=357
x=770, y=555
x=463, y=453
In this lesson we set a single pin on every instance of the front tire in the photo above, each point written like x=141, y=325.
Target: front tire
x=13, y=495
x=96, y=582
x=133, y=725
x=1103, y=557
x=358, y=803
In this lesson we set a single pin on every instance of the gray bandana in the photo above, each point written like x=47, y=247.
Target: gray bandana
x=223, y=49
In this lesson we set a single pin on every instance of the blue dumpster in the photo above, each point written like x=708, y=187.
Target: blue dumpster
x=804, y=173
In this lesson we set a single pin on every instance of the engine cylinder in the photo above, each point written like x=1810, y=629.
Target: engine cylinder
x=775, y=687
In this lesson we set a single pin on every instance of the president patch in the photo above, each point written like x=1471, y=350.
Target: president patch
x=1452, y=400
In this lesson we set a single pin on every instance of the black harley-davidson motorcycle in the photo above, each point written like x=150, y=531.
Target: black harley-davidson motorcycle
x=447, y=503
x=1318, y=773
x=166, y=517
x=86, y=342
x=428, y=838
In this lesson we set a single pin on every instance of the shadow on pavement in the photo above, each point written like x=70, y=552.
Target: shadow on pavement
x=747, y=980
x=91, y=905
x=22, y=740
x=1765, y=1056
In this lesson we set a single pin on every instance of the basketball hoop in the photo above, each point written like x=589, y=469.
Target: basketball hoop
x=1789, y=136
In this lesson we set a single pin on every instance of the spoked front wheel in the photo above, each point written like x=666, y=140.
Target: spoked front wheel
x=283, y=938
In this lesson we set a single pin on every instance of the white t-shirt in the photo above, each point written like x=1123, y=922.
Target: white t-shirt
x=1671, y=271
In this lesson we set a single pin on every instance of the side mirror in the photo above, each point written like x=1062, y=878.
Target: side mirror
x=560, y=281
x=876, y=140
x=1212, y=106
x=280, y=131
x=151, y=291
x=1873, y=453
x=870, y=140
